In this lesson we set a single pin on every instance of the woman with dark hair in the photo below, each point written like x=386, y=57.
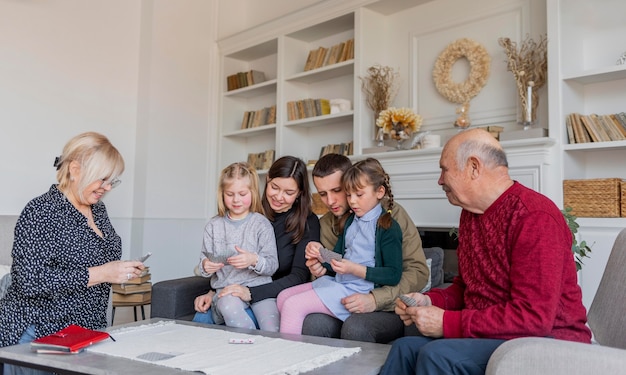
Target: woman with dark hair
x=287, y=204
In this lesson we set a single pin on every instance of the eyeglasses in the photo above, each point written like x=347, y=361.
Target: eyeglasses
x=113, y=183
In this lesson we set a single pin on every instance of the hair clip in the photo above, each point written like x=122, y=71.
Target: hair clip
x=57, y=162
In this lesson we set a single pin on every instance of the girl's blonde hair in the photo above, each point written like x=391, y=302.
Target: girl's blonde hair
x=370, y=172
x=239, y=171
x=97, y=157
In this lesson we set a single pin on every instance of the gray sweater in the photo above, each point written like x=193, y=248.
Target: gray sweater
x=254, y=234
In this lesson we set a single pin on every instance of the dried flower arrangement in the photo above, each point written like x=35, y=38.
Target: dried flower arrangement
x=399, y=123
x=529, y=65
x=380, y=87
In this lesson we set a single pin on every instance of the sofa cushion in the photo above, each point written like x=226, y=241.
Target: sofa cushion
x=426, y=288
x=5, y=281
x=436, y=267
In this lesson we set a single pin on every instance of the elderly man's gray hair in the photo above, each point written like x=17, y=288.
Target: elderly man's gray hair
x=490, y=155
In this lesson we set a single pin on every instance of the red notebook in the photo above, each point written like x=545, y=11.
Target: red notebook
x=72, y=339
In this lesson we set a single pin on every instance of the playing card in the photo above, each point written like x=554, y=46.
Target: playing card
x=328, y=255
x=408, y=300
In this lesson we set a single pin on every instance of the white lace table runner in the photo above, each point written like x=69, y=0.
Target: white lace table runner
x=207, y=350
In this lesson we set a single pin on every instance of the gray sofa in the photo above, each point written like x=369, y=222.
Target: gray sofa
x=607, y=320
x=173, y=299
x=7, y=227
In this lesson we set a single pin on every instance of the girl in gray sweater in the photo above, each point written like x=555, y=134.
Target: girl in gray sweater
x=239, y=247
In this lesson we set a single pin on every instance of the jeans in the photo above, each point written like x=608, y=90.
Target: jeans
x=423, y=355
x=207, y=317
x=379, y=326
x=27, y=336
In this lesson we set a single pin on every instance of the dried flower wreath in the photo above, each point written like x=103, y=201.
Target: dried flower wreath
x=479, y=61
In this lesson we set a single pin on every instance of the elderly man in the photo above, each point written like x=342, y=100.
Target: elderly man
x=372, y=316
x=517, y=275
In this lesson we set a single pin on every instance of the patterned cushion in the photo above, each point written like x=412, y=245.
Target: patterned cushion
x=428, y=285
x=436, y=269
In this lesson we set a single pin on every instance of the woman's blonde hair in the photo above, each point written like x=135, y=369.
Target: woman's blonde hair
x=239, y=171
x=97, y=157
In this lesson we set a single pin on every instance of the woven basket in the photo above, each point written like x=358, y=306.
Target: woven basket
x=623, y=188
x=594, y=197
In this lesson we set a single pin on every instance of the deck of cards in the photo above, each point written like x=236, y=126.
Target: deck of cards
x=328, y=255
x=221, y=257
x=410, y=302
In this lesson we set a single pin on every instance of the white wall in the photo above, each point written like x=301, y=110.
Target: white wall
x=66, y=67
x=138, y=71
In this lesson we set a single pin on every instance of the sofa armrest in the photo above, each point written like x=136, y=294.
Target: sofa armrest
x=173, y=299
x=534, y=355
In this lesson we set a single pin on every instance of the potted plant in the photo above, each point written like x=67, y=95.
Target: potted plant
x=581, y=250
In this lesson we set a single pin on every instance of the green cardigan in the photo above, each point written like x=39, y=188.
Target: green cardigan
x=388, y=254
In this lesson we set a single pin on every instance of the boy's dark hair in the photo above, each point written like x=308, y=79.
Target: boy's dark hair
x=329, y=164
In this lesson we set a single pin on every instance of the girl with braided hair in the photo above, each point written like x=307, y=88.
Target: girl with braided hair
x=370, y=246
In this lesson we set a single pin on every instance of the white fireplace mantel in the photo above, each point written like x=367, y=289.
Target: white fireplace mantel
x=414, y=175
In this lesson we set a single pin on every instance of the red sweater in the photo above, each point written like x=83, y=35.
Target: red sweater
x=517, y=275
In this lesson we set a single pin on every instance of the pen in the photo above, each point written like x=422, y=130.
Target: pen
x=111, y=337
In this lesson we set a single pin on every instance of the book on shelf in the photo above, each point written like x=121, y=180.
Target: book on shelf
x=299, y=109
x=571, y=139
x=611, y=128
x=244, y=79
x=337, y=148
x=70, y=340
x=591, y=129
x=320, y=58
x=348, y=51
x=132, y=288
x=259, y=117
x=131, y=298
x=621, y=127
x=323, y=56
x=261, y=160
x=494, y=130
x=334, y=54
x=595, y=128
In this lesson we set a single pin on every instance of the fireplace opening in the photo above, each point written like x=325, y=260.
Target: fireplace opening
x=440, y=237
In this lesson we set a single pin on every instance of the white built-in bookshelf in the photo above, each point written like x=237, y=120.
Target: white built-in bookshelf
x=282, y=60
x=585, y=42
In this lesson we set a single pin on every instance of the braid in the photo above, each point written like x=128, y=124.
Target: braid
x=370, y=172
x=385, y=219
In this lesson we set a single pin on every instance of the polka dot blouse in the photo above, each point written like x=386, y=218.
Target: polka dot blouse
x=53, y=249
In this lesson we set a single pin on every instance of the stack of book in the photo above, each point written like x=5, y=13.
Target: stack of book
x=323, y=56
x=253, y=119
x=244, y=79
x=596, y=128
x=300, y=109
x=494, y=130
x=339, y=148
x=261, y=160
x=134, y=291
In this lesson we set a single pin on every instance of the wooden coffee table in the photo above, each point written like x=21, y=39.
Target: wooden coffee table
x=368, y=361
